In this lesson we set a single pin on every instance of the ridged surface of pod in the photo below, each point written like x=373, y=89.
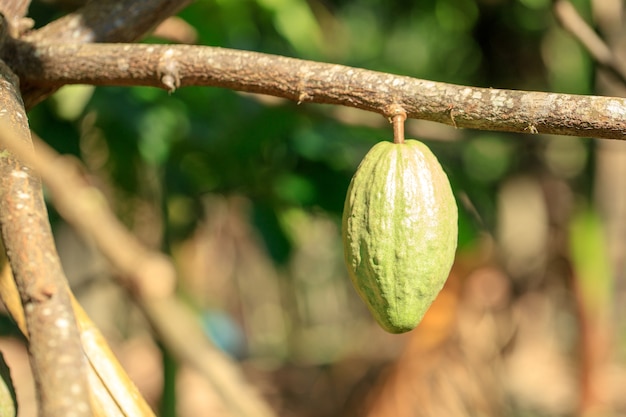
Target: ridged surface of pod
x=399, y=232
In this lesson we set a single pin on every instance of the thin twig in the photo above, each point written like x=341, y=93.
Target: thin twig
x=172, y=66
x=146, y=273
x=571, y=21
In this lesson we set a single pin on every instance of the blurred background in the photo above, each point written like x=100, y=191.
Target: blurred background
x=245, y=193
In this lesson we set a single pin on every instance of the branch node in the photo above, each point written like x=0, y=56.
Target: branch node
x=303, y=96
x=42, y=292
x=532, y=129
x=168, y=71
x=450, y=110
x=394, y=110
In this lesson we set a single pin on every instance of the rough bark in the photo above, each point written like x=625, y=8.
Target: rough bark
x=56, y=356
x=173, y=66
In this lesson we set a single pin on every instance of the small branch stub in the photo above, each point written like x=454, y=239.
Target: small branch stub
x=168, y=71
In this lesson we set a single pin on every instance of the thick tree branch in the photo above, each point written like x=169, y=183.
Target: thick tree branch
x=108, y=21
x=57, y=359
x=101, y=21
x=172, y=66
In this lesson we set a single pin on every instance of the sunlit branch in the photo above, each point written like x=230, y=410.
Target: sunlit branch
x=173, y=66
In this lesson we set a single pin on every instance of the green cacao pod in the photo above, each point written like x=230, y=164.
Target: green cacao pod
x=399, y=232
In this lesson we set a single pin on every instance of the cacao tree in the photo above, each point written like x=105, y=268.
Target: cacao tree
x=252, y=163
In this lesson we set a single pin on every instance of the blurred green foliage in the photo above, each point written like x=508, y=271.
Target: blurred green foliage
x=284, y=156
x=202, y=140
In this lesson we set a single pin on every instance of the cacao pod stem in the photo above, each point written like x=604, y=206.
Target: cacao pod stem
x=397, y=119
